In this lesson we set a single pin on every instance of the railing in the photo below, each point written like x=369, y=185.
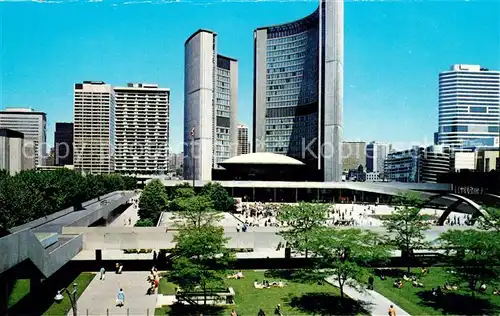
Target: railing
x=124, y=311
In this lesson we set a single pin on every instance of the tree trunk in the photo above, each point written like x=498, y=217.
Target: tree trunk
x=204, y=295
x=307, y=252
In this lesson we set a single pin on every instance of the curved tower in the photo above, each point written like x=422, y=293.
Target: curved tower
x=298, y=74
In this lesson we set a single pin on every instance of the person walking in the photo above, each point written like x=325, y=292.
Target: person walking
x=392, y=311
x=370, y=283
x=102, y=272
x=120, y=298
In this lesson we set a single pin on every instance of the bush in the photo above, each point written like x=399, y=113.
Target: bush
x=144, y=223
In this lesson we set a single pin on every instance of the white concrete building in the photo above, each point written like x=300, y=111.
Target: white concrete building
x=243, y=144
x=469, y=104
x=376, y=153
x=210, y=106
x=94, y=127
x=11, y=151
x=464, y=161
x=33, y=125
x=142, y=129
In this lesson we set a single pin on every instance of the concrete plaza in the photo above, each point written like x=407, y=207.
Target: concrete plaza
x=100, y=296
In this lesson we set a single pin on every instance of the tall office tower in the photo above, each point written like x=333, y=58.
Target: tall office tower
x=11, y=150
x=33, y=125
x=142, y=128
x=376, y=153
x=298, y=89
x=63, y=144
x=210, y=106
x=243, y=145
x=434, y=161
x=94, y=127
x=469, y=104
x=354, y=155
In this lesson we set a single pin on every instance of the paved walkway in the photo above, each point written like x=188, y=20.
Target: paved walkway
x=123, y=219
x=100, y=296
x=376, y=304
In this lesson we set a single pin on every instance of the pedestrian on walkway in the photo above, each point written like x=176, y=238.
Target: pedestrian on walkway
x=370, y=283
x=392, y=311
x=120, y=298
x=102, y=272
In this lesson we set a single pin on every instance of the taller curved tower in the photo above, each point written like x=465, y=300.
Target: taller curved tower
x=298, y=89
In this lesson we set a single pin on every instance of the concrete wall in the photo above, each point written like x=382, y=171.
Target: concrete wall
x=158, y=238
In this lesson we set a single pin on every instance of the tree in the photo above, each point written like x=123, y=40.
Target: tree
x=152, y=201
x=345, y=253
x=408, y=226
x=202, y=259
x=196, y=210
x=474, y=254
x=493, y=220
x=221, y=200
x=302, y=220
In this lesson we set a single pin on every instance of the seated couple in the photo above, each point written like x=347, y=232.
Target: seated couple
x=265, y=284
x=449, y=287
x=238, y=275
x=398, y=284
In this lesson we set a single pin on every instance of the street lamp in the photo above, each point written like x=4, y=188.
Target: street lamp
x=72, y=297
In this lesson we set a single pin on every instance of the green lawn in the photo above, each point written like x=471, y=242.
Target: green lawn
x=61, y=309
x=420, y=301
x=295, y=299
x=21, y=288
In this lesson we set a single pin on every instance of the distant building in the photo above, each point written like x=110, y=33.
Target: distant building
x=142, y=128
x=373, y=177
x=94, y=127
x=63, y=144
x=435, y=160
x=488, y=159
x=210, y=106
x=33, y=125
x=464, y=161
x=243, y=144
x=376, y=153
x=11, y=151
x=469, y=104
x=354, y=154
x=176, y=162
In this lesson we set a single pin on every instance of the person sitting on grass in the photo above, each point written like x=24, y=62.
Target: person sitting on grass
x=257, y=285
x=382, y=277
x=450, y=287
x=483, y=288
x=437, y=291
x=416, y=283
x=238, y=275
x=496, y=292
x=406, y=278
x=423, y=270
x=398, y=284
x=261, y=313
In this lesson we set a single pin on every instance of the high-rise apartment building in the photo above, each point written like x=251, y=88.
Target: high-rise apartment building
x=376, y=153
x=63, y=144
x=175, y=162
x=243, y=144
x=298, y=89
x=210, y=106
x=469, y=104
x=94, y=127
x=33, y=125
x=353, y=155
x=142, y=128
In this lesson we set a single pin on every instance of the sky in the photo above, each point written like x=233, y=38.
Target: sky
x=393, y=54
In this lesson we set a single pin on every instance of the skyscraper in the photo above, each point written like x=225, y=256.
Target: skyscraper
x=142, y=128
x=354, y=155
x=94, y=127
x=469, y=104
x=63, y=144
x=33, y=125
x=210, y=106
x=11, y=151
x=298, y=89
x=243, y=145
x=376, y=153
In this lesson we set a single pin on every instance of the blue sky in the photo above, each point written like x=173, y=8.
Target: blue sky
x=393, y=54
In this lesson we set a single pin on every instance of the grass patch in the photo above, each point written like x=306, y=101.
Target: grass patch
x=165, y=287
x=83, y=280
x=420, y=301
x=296, y=298
x=20, y=289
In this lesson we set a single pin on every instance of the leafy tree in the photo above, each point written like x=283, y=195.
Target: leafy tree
x=202, y=259
x=144, y=223
x=345, y=253
x=474, y=254
x=408, y=226
x=152, y=200
x=493, y=221
x=177, y=190
x=221, y=199
x=130, y=183
x=302, y=219
x=197, y=210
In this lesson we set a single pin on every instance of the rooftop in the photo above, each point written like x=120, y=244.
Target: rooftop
x=262, y=158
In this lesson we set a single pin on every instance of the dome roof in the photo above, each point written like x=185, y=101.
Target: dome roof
x=262, y=158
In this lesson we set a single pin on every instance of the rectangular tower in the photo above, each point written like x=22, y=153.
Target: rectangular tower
x=94, y=127
x=210, y=106
x=33, y=125
x=142, y=129
x=469, y=104
x=63, y=144
x=243, y=144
